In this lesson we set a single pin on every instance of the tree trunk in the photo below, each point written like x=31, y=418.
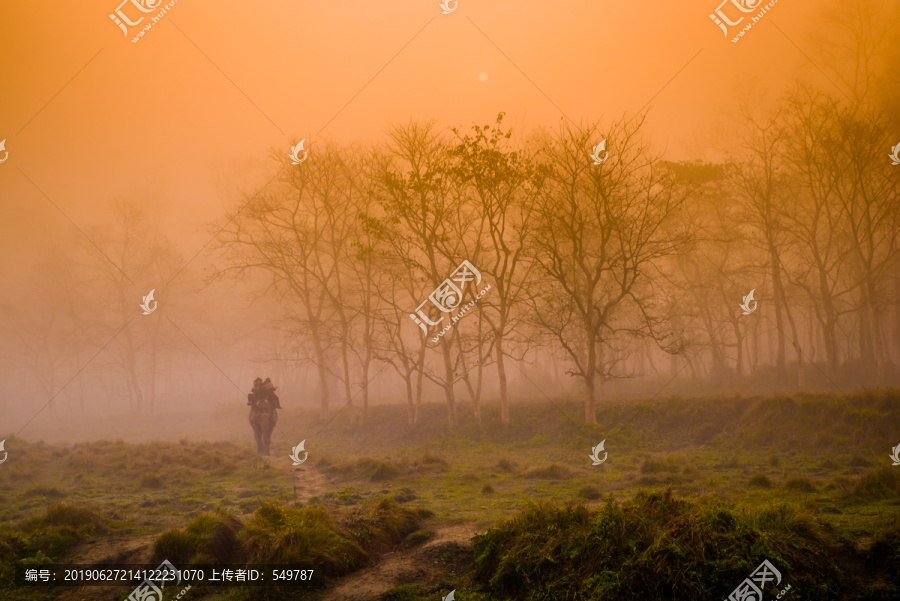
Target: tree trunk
x=420, y=380
x=410, y=399
x=501, y=376
x=323, y=377
x=448, y=382
x=780, y=361
x=590, y=415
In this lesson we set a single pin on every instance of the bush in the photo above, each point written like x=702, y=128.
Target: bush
x=210, y=538
x=383, y=525
x=691, y=550
x=304, y=536
x=761, y=481
x=60, y=528
x=276, y=534
x=880, y=483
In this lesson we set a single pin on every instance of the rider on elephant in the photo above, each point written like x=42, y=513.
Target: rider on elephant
x=269, y=393
x=256, y=394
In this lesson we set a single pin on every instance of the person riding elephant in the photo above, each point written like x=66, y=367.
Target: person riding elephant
x=269, y=393
x=256, y=394
x=264, y=404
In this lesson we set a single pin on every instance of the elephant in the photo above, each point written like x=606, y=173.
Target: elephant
x=263, y=417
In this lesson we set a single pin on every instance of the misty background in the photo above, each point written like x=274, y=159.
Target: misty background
x=163, y=165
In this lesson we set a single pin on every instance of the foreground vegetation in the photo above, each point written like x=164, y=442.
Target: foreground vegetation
x=693, y=496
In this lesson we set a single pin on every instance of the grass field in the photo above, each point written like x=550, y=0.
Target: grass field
x=695, y=493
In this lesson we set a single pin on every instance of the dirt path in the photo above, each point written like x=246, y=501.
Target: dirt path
x=307, y=479
x=123, y=551
x=400, y=567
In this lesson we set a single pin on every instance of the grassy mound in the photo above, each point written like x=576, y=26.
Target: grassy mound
x=61, y=527
x=315, y=536
x=881, y=483
x=553, y=471
x=276, y=534
x=41, y=540
x=211, y=538
x=653, y=547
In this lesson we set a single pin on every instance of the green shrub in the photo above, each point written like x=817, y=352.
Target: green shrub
x=60, y=528
x=379, y=527
x=276, y=534
x=651, y=548
x=211, y=536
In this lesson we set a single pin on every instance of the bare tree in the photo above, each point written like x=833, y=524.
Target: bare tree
x=601, y=233
x=416, y=193
x=505, y=184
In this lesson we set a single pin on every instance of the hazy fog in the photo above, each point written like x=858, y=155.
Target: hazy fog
x=136, y=166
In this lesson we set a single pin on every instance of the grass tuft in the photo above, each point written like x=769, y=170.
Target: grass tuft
x=760, y=481
x=800, y=485
x=691, y=550
x=554, y=471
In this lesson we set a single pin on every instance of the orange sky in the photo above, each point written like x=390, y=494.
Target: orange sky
x=183, y=118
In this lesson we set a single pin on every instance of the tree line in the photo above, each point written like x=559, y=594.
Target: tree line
x=613, y=266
